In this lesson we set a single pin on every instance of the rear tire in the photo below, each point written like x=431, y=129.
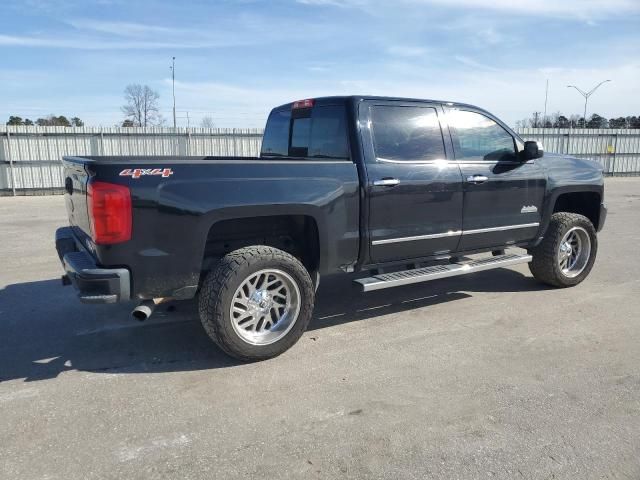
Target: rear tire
x=256, y=303
x=567, y=252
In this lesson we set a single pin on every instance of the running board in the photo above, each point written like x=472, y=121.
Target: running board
x=407, y=277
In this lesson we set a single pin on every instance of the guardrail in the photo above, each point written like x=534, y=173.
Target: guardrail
x=30, y=156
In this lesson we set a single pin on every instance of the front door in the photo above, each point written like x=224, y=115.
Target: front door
x=502, y=195
x=414, y=191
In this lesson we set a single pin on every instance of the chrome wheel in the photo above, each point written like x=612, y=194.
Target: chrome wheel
x=265, y=307
x=574, y=252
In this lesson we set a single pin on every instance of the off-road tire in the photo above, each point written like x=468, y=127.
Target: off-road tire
x=221, y=283
x=544, y=266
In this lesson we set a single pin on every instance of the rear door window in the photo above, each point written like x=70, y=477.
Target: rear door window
x=406, y=133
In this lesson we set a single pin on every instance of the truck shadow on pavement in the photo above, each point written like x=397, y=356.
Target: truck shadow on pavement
x=45, y=331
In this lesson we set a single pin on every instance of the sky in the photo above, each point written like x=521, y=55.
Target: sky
x=235, y=60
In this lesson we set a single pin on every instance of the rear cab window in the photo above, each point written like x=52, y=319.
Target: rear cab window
x=275, y=142
x=318, y=132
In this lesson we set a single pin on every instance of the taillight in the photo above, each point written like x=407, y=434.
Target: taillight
x=109, y=212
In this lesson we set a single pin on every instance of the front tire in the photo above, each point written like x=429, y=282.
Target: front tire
x=567, y=252
x=256, y=303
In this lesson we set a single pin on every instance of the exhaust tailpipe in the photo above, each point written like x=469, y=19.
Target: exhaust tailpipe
x=144, y=310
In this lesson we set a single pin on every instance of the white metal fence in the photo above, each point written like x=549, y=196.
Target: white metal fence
x=618, y=151
x=30, y=156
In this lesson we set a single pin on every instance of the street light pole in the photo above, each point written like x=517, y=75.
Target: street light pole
x=173, y=88
x=586, y=96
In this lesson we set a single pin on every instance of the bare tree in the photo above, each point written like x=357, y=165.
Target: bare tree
x=576, y=121
x=554, y=118
x=142, y=106
x=207, y=122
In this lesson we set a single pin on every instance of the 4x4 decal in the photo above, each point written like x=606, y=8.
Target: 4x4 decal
x=139, y=172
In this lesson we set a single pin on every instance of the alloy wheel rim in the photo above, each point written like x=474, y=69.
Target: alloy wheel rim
x=574, y=252
x=265, y=307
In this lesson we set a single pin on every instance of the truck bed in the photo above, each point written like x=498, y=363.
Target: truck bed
x=173, y=212
x=149, y=159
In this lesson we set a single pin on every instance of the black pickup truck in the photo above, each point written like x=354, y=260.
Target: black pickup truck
x=399, y=190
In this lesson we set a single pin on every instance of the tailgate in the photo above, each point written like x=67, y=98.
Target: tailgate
x=75, y=186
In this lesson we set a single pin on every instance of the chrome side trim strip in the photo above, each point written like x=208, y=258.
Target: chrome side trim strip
x=500, y=229
x=452, y=233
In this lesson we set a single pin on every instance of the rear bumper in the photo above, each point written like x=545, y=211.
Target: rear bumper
x=602, y=217
x=94, y=284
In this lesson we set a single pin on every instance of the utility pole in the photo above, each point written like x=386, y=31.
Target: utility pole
x=586, y=96
x=173, y=88
x=535, y=119
x=546, y=97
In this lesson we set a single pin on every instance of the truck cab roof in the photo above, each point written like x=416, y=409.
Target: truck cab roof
x=342, y=99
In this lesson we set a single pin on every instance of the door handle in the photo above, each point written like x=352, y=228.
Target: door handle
x=477, y=179
x=386, y=182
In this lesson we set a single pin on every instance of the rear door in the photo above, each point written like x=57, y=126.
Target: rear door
x=502, y=195
x=414, y=191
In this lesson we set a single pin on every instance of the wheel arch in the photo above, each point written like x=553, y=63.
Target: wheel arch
x=582, y=202
x=296, y=231
x=582, y=199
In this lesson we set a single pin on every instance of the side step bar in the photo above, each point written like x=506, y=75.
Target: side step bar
x=407, y=277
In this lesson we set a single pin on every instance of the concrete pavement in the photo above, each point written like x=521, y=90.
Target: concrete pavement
x=491, y=375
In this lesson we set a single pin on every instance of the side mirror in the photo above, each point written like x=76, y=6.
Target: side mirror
x=531, y=151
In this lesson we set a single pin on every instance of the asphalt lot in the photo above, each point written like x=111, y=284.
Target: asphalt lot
x=486, y=376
